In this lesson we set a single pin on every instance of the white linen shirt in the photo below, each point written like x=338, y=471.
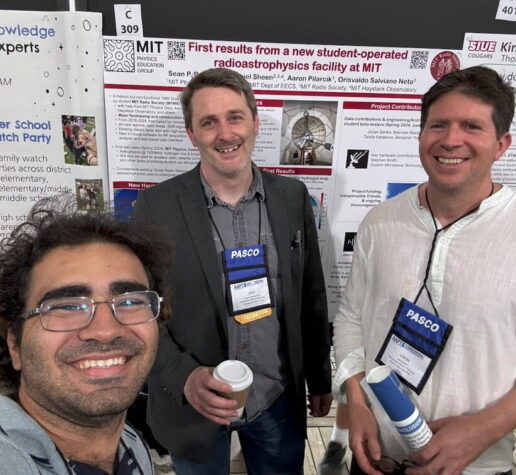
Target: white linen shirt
x=473, y=286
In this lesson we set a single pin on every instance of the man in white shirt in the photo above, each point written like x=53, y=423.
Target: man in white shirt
x=448, y=245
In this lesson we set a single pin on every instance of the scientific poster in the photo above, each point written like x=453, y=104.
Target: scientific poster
x=52, y=123
x=343, y=119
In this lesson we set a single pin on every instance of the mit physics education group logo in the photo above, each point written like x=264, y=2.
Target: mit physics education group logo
x=119, y=56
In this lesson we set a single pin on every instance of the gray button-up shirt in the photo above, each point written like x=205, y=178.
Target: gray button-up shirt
x=258, y=343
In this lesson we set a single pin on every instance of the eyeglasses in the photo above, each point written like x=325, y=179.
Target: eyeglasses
x=66, y=314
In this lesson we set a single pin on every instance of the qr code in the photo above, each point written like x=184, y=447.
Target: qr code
x=176, y=50
x=419, y=59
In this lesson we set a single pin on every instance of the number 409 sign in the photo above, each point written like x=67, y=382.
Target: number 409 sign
x=128, y=20
x=506, y=10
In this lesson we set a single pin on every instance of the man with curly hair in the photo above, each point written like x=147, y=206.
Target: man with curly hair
x=80, y=295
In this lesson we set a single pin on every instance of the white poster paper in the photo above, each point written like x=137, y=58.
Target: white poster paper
x=52, y=124
x=506, y=10
x=343, y=119
x=499, y=53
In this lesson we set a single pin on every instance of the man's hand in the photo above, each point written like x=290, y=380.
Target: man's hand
x=201, y=390
x=363, y=428
x=319, y=405
x=363, y=437
x=457, y=442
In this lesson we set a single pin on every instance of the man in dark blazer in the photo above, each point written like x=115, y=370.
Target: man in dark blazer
x=221, y=207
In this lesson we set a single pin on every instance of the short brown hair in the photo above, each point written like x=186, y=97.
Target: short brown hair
x=480, y=82
x=216, y=77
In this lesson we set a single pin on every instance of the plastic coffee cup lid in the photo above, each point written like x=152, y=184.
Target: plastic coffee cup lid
x=234, y=372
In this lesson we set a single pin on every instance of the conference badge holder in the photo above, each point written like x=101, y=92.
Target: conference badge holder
x=247, y=282
x=414, y=343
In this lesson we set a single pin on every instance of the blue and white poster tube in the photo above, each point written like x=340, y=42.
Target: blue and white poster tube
x=399, y=407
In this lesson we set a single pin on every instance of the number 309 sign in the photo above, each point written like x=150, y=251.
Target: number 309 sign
x=128, y=20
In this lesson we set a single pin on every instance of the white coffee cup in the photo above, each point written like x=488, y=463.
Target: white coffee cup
x=240, y=377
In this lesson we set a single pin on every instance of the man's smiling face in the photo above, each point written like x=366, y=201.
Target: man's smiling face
x=458, y=144
x=88, y=375
x=224, y=131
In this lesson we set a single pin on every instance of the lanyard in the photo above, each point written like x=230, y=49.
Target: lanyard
x=259, y=225
x=434, y=240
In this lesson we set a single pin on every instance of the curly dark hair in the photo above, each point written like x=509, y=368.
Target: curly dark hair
x=55, y=222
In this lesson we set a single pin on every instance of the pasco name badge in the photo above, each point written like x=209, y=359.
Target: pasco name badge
x=414, y=343
x=247, y=283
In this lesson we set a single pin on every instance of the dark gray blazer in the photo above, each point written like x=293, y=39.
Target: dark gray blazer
x=196, y=334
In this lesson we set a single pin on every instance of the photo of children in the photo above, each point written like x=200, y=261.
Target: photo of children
x=80, y=140
x=89, y=194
